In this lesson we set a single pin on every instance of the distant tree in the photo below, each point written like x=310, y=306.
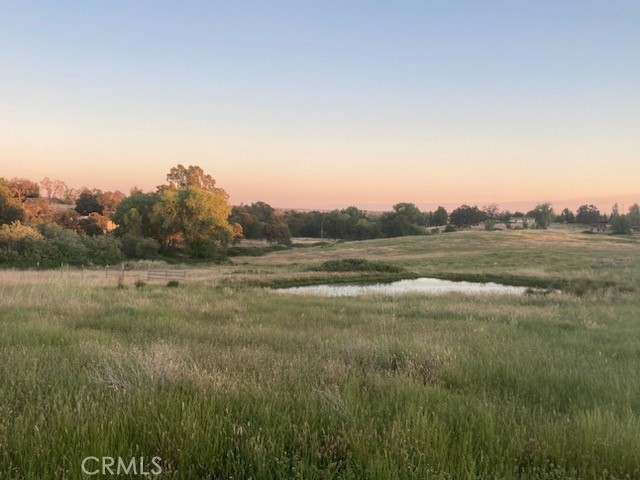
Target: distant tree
x=38, y=210
x=93, y=224
x=54, y=189
x=543, y=215
x=492, y=211
x=634, y=215
x=405, y=219
x=615, y=210
x=566, y=216
x=620, y=224
x=23, y=188
x=259, y=221
x=67, y=219
x=440, y=217
x=588, y=214
x=181, y=177
x=109, y=201
x=10, y=208
x=466, y=216
x=88, y=203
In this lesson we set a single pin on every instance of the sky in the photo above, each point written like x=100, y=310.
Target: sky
x=329, y=103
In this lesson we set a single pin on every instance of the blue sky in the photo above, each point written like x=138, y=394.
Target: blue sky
x=326, y=104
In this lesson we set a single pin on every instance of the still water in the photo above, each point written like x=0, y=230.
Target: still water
x=427, y=286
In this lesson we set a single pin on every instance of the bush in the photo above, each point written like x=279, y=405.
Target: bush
x=620, y=225
x=449, y=228
x=489, y=225
x=173, y=283
x=102, y=250
x=355, y=265
x=139, y=247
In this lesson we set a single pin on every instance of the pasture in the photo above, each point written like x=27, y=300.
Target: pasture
x=222, y=378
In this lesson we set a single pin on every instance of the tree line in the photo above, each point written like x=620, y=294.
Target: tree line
x=189, y=216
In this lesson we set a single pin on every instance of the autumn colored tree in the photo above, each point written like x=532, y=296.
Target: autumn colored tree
x=109, y=201
x=38, y=210
x=10, y=208
x=23, y=188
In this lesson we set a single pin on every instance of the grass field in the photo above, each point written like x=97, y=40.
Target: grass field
x=222, y=378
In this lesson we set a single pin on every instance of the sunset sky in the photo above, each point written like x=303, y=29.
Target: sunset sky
x=332, y=103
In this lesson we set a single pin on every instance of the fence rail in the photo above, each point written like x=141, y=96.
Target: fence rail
x=166, y=275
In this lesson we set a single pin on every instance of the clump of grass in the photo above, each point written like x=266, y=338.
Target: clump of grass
x=140, y=283
x=356, y=265
x=173, y=283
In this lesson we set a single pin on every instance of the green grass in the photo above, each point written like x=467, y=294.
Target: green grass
x=234, y=381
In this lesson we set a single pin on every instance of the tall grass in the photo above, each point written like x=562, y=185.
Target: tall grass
x=238, y=382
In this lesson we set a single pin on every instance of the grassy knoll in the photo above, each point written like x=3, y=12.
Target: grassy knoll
x=223, y=379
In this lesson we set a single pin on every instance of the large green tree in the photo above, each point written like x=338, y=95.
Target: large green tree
x=194, y=218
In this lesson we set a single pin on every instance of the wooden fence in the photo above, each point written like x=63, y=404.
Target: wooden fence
x=165, y=275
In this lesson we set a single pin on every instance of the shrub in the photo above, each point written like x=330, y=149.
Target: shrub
x=449, y=228
x=102, y=250
x=620, y=225
x=173, y=283
x=139, y=247
x=355, y=265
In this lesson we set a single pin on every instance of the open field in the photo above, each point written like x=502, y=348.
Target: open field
x=222, y=378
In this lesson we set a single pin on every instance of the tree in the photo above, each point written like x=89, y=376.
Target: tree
x=260, y=221
x=180, y=178
x=23, y=188
x=67, y=219
x=492, y=211
x=588, y=214
x=55, y=189
x=634, y=215
x=405, y=219
x=109, y=201
x=142, y=222
x=88, y=203
x=94, y=224
x=466, y=216
x=195, y=218
x=566, y=216
x=440, y=217
x=10, y=208
x=38, y=210
x=543, y=214
x=620, y=225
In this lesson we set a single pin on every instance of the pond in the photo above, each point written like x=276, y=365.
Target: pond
x=427, y=286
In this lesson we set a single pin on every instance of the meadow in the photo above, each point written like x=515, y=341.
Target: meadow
x=223, y=378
